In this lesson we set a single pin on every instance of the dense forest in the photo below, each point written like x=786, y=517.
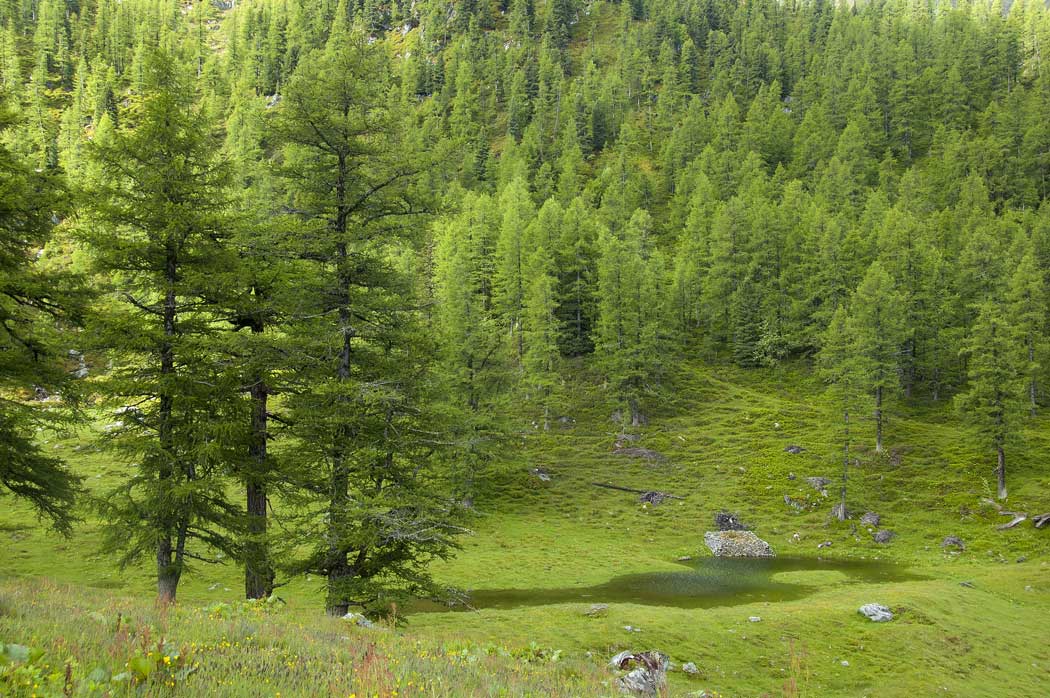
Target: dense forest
x=317, y=253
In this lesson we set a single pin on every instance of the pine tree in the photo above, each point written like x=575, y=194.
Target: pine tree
x=34, y=305
x=155, y=219
x=628, y=340
x=1026, y=308
x=876, y=330
x=995, y=395
x=837, y=364
x=370, y=517
x=542, y=330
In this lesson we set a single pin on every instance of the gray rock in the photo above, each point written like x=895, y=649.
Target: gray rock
x=597, y=610
x=358, y=620
x=794, y=503
x=754, y=619
x=953, y=542
x=691, y=669
x=737, y=544
x=825, y=544
x=542, y=473
x=795, y=450
x=792, y=476
x=726, y=521
x=648, y=678
x=870, y=519
x=883, y=536
x=875, y=612
x=820, y=484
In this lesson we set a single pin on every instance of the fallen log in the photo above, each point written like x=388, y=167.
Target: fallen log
x=651, y=496
x=1041, y=520
x=1018, y=516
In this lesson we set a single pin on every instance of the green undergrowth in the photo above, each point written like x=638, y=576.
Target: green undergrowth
x=720, y=435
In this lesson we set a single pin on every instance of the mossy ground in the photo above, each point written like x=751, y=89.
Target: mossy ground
x=723, y=432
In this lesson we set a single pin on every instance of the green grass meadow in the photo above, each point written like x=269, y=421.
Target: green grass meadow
x=722, y=432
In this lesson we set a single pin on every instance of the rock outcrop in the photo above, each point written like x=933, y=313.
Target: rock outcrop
x=737, y=544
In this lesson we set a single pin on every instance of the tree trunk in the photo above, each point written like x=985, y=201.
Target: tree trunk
x=168, y=562
x=845, y=469
x=1032, y=389
x=337, y=566
x=878, y=419
x=258, y=568
x=1000, y=471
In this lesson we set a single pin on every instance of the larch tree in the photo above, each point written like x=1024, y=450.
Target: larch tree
x=627, y=334
x=876, y=331
x=34, y=306
x=369, y=517
x=155, y=222
x=995, y=396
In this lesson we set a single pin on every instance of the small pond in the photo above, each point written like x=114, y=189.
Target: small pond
x=709, y=582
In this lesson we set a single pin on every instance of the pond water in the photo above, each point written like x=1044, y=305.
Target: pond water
x=709, y=582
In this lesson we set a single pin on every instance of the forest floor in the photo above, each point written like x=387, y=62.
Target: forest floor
x=721, y=434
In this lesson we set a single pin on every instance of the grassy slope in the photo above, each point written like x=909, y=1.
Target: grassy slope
x=724, y=450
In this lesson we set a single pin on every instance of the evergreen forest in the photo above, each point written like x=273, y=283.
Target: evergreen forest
x=339, y=338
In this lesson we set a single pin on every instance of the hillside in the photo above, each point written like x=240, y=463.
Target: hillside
x=470, y=319
x=559, y=542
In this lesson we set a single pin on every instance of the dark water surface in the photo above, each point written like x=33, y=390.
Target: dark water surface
x=707, y=583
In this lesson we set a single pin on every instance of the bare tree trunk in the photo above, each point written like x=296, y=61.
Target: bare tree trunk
x=168, y=568
x=337, y=565
x=845, y=469
x=878, y=419
x=1000, y=471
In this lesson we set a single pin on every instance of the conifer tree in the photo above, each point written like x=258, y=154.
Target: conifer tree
x=542, y=329
x=156, y=221
x=628, y=340
x=995, y=394
x=372, y=510
x=33, y=307
x=876, y=331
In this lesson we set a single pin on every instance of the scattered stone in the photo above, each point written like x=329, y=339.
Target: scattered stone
x=1029, y=588
x=691, y=669
x=844, y=662
x=884, y=536
x=41, y=393
x=360, y=621
x=725, y=521
x=953, y=542
x=794, y=503
x=597, y=610
x=875, y=612
x=754, y=619
x=792, y=476
x=684, y=558
x=1023, y=558
x=825, y=544
x=795, y=450
x=871, y=519
x=649, y=678
x=820, y=484
x=542, y=473
x=737, y=544
x=653, y=497
x=968, y=585
x=637, y=452
x=632, y=629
